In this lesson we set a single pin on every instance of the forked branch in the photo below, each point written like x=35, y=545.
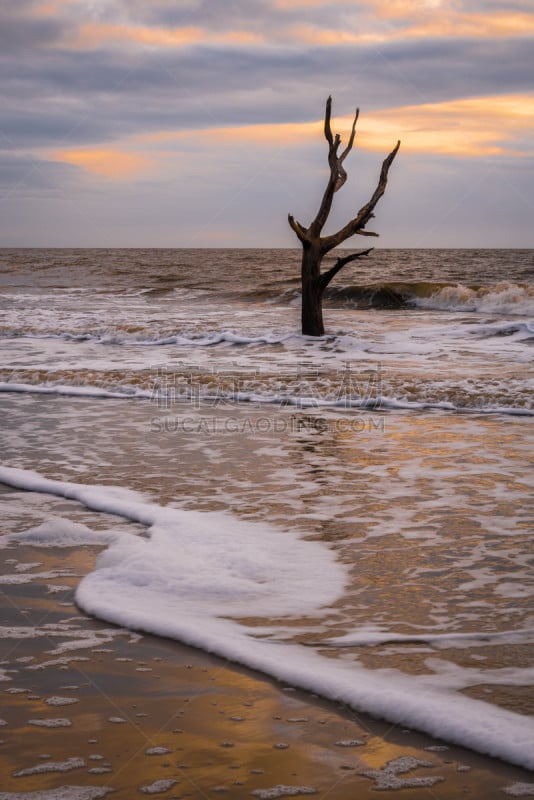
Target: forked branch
x=301, y=232
x=358, y=223
x=338, y=176
x=341, y=174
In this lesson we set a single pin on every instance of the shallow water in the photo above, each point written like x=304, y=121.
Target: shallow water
x=189, y=719
x=435, y=562
x=394, y=453
x=224, y=325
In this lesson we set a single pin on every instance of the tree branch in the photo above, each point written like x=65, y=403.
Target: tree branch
x=348, y=148
x=326, y=277
x=357, y=225
x=327, y=117
x=368, y=233
x=301, y=232
x=338, y=176
x=341, y=174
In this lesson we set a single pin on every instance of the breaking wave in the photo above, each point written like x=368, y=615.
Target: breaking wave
x=145, y=339
x=501, y=298
x=165, y=400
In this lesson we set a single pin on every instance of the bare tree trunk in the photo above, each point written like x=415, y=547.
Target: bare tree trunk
x=315, y=246
x=312, y=292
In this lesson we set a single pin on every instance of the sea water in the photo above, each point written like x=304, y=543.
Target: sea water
x=350, y=514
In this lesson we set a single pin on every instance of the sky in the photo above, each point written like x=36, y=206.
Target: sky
x=198, y=123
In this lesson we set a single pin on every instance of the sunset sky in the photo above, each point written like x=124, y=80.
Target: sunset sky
x=198, y=123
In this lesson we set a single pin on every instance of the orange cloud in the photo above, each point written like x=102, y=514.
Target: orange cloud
x=112, y=164
x=472, y=127
x=275, y=134
x=467, y=128
x=327, y=38
x=49, y=8
x=291, y=4
x=384, y=21
x=500, y=25
x=417, y=19
x=399, y=9
x=95, y=33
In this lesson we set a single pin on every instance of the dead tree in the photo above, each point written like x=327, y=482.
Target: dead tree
x=315, y=246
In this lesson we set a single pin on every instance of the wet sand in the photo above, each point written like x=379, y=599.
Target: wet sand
x=143, y=715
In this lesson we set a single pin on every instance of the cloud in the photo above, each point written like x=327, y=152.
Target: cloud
x=100, y=93
x=406, y=20
x=474, y=127
x=160, y=25
x=23, y=174
x=20, y=33
x=107, y=163
x=95, y=35
x=68, y=98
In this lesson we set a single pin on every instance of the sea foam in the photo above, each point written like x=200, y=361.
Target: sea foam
x=501, y=298
x=200, y=573
x=382, y=403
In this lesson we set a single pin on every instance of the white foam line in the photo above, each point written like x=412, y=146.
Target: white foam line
x=144, y=584
x=97, y=498
x=383, y=693
x=71, y=391
x=372, y=404
x=371, y=638
x=208, y=340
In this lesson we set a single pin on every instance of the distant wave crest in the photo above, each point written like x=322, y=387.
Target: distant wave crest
x=266, y=396
x=145, y=339
x=501, y=298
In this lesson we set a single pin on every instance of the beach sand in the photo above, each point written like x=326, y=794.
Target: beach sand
x=150, y=716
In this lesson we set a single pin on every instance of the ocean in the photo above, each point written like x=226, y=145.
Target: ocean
x=350, y=514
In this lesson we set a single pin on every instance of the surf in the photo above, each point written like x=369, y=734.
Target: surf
x=201, y=577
